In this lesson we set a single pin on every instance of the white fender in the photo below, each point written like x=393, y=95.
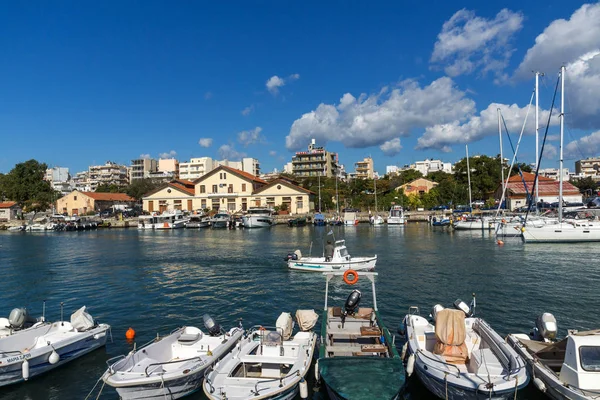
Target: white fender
x=317, y=371
x=54, y=357
x=410, y=364
x=404, y=348
x=25, y=369
x=303, y=389
x=99, y=335
x=539, y=384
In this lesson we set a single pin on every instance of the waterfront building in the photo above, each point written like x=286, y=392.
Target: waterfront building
x=83, y=203
x=519, y=188
x=590, y=167
x=417, y=187
x=9, y=211
x=169, y=166
x=314, y=162
x=364, y=168
x=108, y=174
x=141, y=168
x=229, y=189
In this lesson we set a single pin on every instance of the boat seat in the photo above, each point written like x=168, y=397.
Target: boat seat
x=371, y=331
x=363, y=313
x=373, y=348
x=189, y=338
x=255, y=359
x=336, y=311
x=145, y=366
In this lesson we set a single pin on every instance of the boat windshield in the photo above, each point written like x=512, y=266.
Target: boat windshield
x=590, y=358
x=344, y=252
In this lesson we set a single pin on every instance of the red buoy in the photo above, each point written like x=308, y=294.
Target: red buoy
x=130, y=334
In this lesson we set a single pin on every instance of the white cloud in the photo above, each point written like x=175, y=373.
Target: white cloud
x=228, y=152
x=391, y=147
x=251, y=136
x=208, y=95
x=563, y=41
x=248, y=110
x=468, y=43
x=442, y=136
x=550, y=151
x=145, y=156
x=551, y=137
x=274, y=83
x=587, y=146
x=272, y=153
x=170, y=154
x=371, y=120
x=205, y=142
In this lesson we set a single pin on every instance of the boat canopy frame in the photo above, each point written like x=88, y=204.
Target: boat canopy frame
x=369, y=275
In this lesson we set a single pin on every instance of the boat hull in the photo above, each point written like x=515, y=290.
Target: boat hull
x=171, y=389
x=561, y=233
x=257, y=221
x=365, y=264
x=396, y=221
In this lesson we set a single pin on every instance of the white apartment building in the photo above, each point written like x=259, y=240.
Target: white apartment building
x=553, y=173
x=590, y=167
x=81, y=182
x=110, y=174
x=247, y=164
x=391, y=169
x=429, y=166
x=169, y=167
x=196, y=167
x=57, y=174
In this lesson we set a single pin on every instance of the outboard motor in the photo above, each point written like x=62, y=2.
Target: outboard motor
x=462, y=306
x=213, y=328
x=436, y=309
x=545, y=327
x=291, y=256
x=19, y=318
x=352, y=302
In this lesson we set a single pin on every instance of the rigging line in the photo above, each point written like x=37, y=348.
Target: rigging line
x=515, y=153
x=568, y=129
x=537, y=169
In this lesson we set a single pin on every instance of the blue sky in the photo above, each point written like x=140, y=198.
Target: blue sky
x=83, y=83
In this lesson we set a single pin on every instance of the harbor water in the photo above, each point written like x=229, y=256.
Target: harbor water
x=155, y=281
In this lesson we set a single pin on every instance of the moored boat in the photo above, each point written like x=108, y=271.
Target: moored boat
x=268, y=363
x=340, y=261
x=358, y=358
x=396, y=216
x=258, y=217
x=172, y=366
x=220, y=220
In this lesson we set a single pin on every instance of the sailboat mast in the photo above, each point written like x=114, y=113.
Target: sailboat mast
x=537, y=134
x=562, y=125
x=319, y=191
x=337, y=198
x=375, y=188
x=501, y=154
x=469, y=179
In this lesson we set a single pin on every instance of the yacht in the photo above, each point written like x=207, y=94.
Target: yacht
x=396, y=216
x=258, y=217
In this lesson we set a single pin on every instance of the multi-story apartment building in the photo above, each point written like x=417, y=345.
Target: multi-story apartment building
x=141, y=168
x=429, y=166
x=196, y=168
x=364, y=168
x=553, y=173
x=247, y=164
x=314, y=162
x=590, y=167
x=391, y=169
x=59, y=179
x=81, y=182
x=169, y=167
x=110, y=174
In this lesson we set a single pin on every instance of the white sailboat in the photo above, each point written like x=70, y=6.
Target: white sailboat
x=565, y=231
x=375, y=219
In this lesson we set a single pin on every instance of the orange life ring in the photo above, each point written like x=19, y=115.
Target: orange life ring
x=353, y=273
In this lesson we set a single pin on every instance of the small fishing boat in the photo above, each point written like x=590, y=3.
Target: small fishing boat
x=350, y=218
x=396, y=216
x=220, y=220
x=319, y=219
x=358, y=358
x=19, y=321
x=298, y=221
x=440, y=222
x=198, y=221
x=340, y=261
x=172, y=366
x=41, y=348
x=376, y=220
x=258, y=217
x=166, y=220
x=458, y=356
x=474, y=223
x=268, y=363
x=562, y=369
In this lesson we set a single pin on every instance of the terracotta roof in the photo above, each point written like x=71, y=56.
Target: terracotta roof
x=184, y=187
x=546, y=188
x=100, y=196
x=245, y=174
x=285, y=183
x=529, y=177
x=8, y=204
x=185, y=182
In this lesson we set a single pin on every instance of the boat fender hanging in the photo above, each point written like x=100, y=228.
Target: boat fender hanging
x=54, y=357
x=410, y=365
x=354, y=276
x=25, y=369
x=539, y=384
x=317, y=371
x=303, y=389
x=404, y=348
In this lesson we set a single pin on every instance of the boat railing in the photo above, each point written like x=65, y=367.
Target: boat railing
x=169, y=362
x=446, y=370
x=256, y=390
x=413, y=310
x=112, y=361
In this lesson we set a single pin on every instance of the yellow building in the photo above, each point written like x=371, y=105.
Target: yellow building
x=229, y=189
x=364, y=169
x=81, y=203
x=417, y=187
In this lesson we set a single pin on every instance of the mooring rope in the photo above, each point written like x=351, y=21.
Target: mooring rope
x=94, y=388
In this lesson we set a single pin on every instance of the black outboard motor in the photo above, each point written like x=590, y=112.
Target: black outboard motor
x=291, y=256
x=213, y=328
x=352, y=302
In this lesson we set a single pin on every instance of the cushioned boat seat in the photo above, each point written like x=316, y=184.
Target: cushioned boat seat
x=189, y=338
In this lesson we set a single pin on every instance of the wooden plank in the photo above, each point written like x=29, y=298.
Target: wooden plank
x=370, y=331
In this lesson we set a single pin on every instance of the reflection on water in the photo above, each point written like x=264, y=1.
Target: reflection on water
x=155, y=281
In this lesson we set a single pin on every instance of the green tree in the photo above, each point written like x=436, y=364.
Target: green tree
x=140, y=187
x=485, y=175
x=25, y=184
x=111, y=188
x=586, y=185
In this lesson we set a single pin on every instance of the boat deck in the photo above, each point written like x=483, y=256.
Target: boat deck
x=354, y=335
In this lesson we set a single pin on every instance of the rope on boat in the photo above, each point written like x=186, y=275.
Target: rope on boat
x=94, y=388
x=446, y=381
x=516, y=386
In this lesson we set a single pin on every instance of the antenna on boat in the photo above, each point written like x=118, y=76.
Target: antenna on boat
x=62, y=323
x=473, y=304
x=44, y=311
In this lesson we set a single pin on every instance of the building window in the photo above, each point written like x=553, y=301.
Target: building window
x=231, y=205
x=202, y=189
x=244, y=204
x=203, y=203
x=299, y=203
x=177, y=205
x=75, y=198
x=271, y=202
x=243, y=187
x=214, y=189
x=230, y=188
x=224, y=175
x=216, y=203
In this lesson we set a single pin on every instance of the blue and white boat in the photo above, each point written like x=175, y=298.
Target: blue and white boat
x=319, y=220
x=340, y=261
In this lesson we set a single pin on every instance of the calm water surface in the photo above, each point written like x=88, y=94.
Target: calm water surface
x=156, y=281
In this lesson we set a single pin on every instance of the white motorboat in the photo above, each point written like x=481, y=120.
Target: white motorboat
x=198, y=221
x=474, y=223
x=396, y=216
x=220, y=220
x=461, y=358
x=19, y=228
x=268, y=363
x=564, y=369
x=172, y=366
x=166, y=220
x=350, y=218
x=376, y=220
x=39, y=349
x=258, y=217
x=340, y=261
x=19, y=321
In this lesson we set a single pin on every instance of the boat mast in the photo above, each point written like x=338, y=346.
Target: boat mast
x=375, y=188
x=562, y=124
x=337, y=198
x=501, y=154
x=319, y=178
x=469, y=180
x=537, y=135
